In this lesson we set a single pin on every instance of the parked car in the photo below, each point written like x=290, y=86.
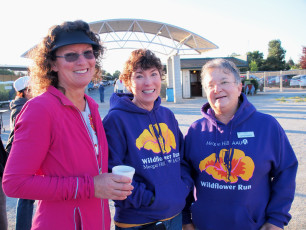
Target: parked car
x=272, y=81
x=295, y=81
x=90, y=86
x=287, y=79
x=302, y=81
x=105, y=82
x=275, y=80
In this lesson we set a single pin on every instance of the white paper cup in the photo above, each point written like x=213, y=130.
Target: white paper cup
x=124, y=170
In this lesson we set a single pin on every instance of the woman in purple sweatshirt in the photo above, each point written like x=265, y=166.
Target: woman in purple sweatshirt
x=143, y=134
x=243, y=165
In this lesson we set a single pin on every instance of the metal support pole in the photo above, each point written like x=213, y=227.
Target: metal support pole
x=281, y=81
x=264, y=77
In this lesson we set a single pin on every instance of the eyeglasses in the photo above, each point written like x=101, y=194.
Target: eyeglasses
x=222, y=84
x=71, y=57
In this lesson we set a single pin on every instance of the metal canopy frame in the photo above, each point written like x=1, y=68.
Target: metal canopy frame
x=157, y=36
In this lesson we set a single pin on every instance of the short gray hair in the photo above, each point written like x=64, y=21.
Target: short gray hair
x=223, y=64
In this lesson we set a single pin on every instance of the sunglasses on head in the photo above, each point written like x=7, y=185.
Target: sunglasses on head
x=71, y=57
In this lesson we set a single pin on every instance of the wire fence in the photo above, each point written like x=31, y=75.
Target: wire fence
x=276, y=80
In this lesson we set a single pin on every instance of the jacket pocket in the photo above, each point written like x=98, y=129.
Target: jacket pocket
x=171, y=198
x=214, y=214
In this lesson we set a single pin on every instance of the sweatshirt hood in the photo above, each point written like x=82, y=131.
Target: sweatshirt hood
x=123, y=101
x=18, y=102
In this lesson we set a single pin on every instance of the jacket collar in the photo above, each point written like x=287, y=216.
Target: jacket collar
x=65, y=101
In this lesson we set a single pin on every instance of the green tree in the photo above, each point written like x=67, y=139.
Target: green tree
x=256, y=57
x=276, y=56
x=253, y=66
x=6, y=72
x=116, y=74
x=290, y=64
x=303, y=58
x=234, y=55
x=103, y=72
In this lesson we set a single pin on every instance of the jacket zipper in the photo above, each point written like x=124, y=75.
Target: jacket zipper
x=84, y=123
x=103, y=220
x=99, y=169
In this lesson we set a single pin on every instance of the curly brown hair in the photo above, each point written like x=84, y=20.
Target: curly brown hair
x=141, y=58
x=41, y=72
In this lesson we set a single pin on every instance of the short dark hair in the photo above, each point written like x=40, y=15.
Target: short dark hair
x=224, y=65
x=141, y=58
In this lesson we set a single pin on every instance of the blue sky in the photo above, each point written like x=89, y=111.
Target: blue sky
x=235, y=26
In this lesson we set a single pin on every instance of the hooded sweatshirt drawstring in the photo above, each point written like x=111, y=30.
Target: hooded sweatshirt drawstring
x=229, y=153
x=158, y=135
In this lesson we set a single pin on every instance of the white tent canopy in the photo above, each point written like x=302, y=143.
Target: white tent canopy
x=157, y=36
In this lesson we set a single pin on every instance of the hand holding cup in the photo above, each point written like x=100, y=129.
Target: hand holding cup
x=116, y=185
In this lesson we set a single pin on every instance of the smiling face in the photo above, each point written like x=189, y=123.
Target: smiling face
x=74, y=75
x=222, y=91
x=145, y=86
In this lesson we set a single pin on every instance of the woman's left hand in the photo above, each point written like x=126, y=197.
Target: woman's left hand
x=268, y=226
x=188, y=227
x=111, y=186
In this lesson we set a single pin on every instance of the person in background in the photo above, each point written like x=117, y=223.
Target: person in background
x=60, y=154
x=145, y=135
x=101, y=92
x=3, y=214
x=24, y=211
x=23, y=94
x=243, y=165
x=119, y=86
x=249, y=89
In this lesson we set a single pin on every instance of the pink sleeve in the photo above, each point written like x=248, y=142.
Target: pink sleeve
x=22, y=177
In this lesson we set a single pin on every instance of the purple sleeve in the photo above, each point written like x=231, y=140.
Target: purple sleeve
x=185, y=167
x=186, y=213
x=283, y=183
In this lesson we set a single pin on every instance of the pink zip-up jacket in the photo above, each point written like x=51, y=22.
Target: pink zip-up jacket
x=53, y=160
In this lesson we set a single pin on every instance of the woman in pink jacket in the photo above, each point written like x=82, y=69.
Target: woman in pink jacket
x=59, y=154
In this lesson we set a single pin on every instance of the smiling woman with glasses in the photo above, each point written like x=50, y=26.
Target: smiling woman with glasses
x=243, y=165
x=60, y=153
